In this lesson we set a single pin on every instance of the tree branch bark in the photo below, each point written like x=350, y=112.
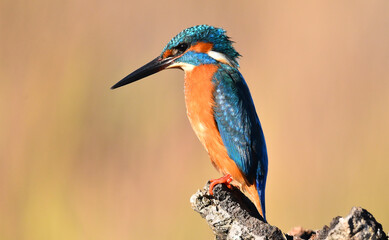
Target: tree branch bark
x=231, y=215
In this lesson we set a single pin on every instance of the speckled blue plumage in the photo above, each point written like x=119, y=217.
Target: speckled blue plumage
x=208, y=34
x=196, y=58
x=239, y=126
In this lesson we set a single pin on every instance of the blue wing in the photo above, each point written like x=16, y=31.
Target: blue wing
x=239, y=126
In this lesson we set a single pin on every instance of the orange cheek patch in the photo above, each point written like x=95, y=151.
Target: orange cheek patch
x=167, y=53
x=201, y=47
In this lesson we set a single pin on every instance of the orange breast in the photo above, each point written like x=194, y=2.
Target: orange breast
x=199, y=101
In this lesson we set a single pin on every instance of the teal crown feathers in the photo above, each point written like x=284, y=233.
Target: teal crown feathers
x=208, y=34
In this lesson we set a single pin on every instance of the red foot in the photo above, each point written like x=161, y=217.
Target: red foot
x=226, y=180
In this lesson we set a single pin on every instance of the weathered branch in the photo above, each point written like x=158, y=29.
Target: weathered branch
x=232, y=216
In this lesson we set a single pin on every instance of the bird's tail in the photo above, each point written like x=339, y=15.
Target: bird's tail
x=261, y=184
x=256, y=193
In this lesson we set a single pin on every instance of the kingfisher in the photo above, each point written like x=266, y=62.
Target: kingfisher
x=219, y=106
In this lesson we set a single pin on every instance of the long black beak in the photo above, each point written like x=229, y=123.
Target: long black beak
x=150, y=68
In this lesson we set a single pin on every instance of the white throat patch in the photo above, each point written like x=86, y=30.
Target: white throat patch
x=220, y=57
x=184, y=66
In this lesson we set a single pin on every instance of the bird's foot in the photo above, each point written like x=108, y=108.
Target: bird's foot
x=226, y=180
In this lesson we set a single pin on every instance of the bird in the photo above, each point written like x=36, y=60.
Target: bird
x=219, y=106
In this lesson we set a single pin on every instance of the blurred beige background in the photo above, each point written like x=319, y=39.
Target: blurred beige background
x=79, y=161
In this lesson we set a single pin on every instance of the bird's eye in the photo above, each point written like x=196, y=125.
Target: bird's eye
x=180, y=48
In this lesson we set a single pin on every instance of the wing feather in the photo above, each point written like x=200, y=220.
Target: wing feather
x=238, y=123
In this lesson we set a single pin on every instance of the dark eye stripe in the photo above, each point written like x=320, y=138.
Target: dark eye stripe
x=180, y=48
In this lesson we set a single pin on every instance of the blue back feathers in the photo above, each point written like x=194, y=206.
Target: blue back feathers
x=238, y=123
x=208, y=34
x=239, y=127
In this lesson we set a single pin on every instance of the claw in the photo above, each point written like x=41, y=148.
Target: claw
x=226, y=180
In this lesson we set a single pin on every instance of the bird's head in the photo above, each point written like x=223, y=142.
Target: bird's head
x=193, y=46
